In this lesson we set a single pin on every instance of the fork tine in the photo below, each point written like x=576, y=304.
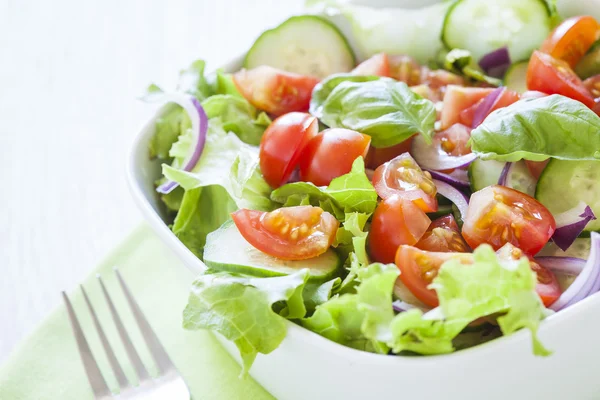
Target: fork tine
x=114, y=363
x=162, y=359
x=97, y=382
x=133, y=355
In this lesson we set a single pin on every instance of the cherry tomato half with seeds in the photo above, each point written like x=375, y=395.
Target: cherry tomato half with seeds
x=289, y=233
x=570, y=40
x=443, y=236
x=377, y=156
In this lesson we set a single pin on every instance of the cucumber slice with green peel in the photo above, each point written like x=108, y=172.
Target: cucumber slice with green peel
x=589, y=65
x=305, y=44
x=519, y=178
x=484, y=173
x=227, y=250
x=482, y=26
x=563, y=184
x=516, y=77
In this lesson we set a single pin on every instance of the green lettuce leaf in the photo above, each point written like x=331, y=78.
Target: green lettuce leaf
x=386, y=110
x=489, y=286
x=352, y=192
x=247, y=311
x=168, y=127
x=536, y=129
x=193, y=81
x=316, y=294
x=225, y=85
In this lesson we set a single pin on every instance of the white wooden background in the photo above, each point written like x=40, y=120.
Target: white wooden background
x=70, y=71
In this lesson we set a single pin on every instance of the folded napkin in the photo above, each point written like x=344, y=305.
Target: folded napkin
x=47, y=365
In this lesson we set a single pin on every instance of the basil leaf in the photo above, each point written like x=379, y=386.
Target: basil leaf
x=326, y=86
x=386, y=110
x=535, y=129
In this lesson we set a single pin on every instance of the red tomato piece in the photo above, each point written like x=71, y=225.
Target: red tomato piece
x=549, y=75
x=418, y=268
x=454, y=140
x=331, y=153
x=275, y=91
x=506, y=98
x=498, y=215
x=536, y=167
x=403, y=177
x=570, y=40
x=443, y=236
x=378, y=65
x=406, y=69
x=282, y=144
x=457, y=99
x=290, y=233
x=593, y=85
x=396, y=221
x=377, y=156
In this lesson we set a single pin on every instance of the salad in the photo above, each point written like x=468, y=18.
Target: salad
x=420, y=201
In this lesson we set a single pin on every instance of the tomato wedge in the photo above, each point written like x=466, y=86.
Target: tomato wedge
x=570, y=40
x=506, y=98
x=547, y=286
x=405, y=69
x=396, y=221
x=378, y=65
x=282, y=145
x=403, y=177
x=377, y=156
x=498, y=215
x=443, y=236
x=275, y=91
x=290, y=233
x=593, y=85
x=458, y=98
x=331, y=153
x=536, y=167
x=549, y=75
x=418, y=268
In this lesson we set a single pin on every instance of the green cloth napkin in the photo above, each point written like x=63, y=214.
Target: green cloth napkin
x=47, y=364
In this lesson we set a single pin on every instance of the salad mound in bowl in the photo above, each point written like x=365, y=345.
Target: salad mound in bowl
x=403, y=204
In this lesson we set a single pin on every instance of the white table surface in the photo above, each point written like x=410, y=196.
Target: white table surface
x=70, y=71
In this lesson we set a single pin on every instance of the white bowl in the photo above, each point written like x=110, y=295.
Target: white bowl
x=308, y=366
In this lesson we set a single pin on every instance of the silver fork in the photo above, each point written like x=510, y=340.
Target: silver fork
x=168, y=385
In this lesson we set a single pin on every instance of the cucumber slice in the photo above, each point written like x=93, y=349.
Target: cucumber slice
x=482, y=26
x=305, y=44
x=484, y=173
x=516, y=77
x=589, y=64
x=519, y=178
x=227, y=250
x=564, y=184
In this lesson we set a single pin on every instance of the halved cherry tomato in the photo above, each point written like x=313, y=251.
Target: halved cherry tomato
x=378, y=65
x=506, y=98
x=498, y=215
x=427, y=92
x=454, y=140
x=406, y=69
x=536, y=167
x=275, y=91
x=403, y=177
x=570, y=40
x=593, y=85
x=331, y=153
x=547, y=286
x=290, y=233
x=282, y=144
x=443, y=236
x=457, y=99
x=396, y=221
x=377, y=156
x=418, y=268
x=439, y=78
x=549, y=75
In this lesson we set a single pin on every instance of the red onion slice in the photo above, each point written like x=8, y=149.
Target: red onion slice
x=565, y=265
x=199, y=121
x=496, y=63
x=570, y=224
x=488, y=103
x=588, y=281
x=460, y=200
x=433, y=158
x=456, y=180
x=504, y=174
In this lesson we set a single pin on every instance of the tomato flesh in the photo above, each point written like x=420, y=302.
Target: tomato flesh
x=290, y=233
x=378, y=65
x=454, y=140
x=547, y=286
x=506, y=98
x=275, y=91
x=282, y=145
x=377, y=156
x=536, y=167
x=405, y=69
x=458, y=98
x=396, y=221
x=418, y=268
x=443, y=236
x=570, y=40
x=402, y=176
x=549, y=75
x=331, y=153
x=498, y=215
